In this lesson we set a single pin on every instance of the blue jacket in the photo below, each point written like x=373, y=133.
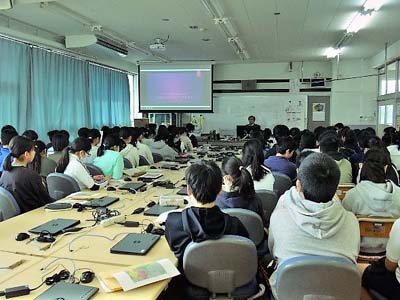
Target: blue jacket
x=3, y=154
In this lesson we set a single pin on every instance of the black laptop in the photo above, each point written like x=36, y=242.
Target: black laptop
x=135, y=244
x=102, y=202
x=183, y=191
x=132, y=186
x=55, y=226
x=157, y=210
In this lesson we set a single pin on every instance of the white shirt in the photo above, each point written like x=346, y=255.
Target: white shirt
x=394, y=155
x=132, y=154
x=145, y=151
x=393, y=247
x=76, y=170
x=186, y=144
x=266, y=183
x=93, y=155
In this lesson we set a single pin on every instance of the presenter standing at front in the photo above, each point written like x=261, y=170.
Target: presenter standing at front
x=252, y=126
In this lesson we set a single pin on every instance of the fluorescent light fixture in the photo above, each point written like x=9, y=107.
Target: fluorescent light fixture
x=6, y=4
x=360, y=21
x=332, y=52
x=373, y=4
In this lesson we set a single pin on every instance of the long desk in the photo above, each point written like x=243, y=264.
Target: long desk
x=88, y=251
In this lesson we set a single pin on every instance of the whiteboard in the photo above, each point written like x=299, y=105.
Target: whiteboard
x=270, y=110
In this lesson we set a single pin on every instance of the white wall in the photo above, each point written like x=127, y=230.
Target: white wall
x=353, y=101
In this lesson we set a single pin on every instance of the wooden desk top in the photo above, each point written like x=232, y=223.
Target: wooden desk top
x=20, y=264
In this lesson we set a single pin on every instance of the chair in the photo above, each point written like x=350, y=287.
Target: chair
x=224, y=266
x=143, y=161
x=317, y=277
x=343, y=189
x=127, y=164
x=93, y=170
x=282, y=184
x=8, y=206
x=157, y=157
x=269, y=201
x=61, y=185
x=254, y=226
x=374, y=227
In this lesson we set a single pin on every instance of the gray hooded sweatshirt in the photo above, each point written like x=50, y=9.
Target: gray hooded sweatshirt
x=301, y=227
x=160, y=147
x=373, y=199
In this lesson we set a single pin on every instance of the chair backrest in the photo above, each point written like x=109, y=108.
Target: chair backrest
x=93, y=170
x=221, y=265
x=375, y=227
x=157, y=157
x=8, y=205
x=143, y=161
x=61, y=185
x=251, y=221
x=343, y=189
x=282, y=183
x=320, y=276
x=127, y=164
x=269, y=200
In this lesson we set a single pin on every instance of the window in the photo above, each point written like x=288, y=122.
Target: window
x=386, y=115
x=134, y=98
x=391, y=78
x=382, y=114
x=389, y=115
x=382, y=82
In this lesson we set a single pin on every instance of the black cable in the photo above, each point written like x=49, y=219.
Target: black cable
x=38, y=287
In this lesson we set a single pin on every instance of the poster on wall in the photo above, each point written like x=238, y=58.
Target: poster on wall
x=318, y=112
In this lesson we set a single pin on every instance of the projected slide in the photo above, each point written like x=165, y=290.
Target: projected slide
x=166, y=88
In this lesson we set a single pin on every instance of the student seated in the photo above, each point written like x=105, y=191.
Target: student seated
x=6, y=136
x=127, y=149
x=238, y=189
x=373, y=196
x=392, y=142
x=329, y=145
x=94, y=137
x=25, y=185
x=383, y=276
x=160, y=145
x=144, y=150
x=203, y=220
x=31, y=134
x=310, y=220
x=83, y=132
x=148, y=136
x=192, y=137
x=185, y=144
x=108, y=159
x=308, y=142
x=71, y=164
x=41, y=164
x=253, y=159
x=280, y=162
x=59, y=141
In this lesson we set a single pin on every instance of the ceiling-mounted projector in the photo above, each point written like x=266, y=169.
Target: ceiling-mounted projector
x=159, y=44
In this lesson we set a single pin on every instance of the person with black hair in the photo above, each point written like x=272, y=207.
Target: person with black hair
x=128, y=147
x=71, y=165
x=83, y=132
x=279, y=132
x=238, y=188
x=109, y=159
x=8, y=127
x=203, y=220
x=253, y=161
x=295, y=133
x=144, y=150
x=6, y=136
x=268, y=139
x=24, y=184
x=148, y=136
x=373, y=196
x=251, y=127
x=318, y=132
x=310, y=220
x=49, y=145
x=94, y=137
x=185, y=144
x=280, y=162
x=59, y=141
x=160, y=145
x=192, y=137
x=302, y=156
x=41, y=164
x=329, y=145
x=308, y=142
x=31, y=134
x=392, y=143
x=339, y=126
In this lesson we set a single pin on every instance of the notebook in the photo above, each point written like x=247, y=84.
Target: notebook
x=157, y=210
x=102, y=202
x=150, y=176
x=68, y=291
x=132, y=186
x=55, y=226
x=135, y=244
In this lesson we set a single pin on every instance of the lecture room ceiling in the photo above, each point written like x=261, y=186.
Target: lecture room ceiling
x=270, y=30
